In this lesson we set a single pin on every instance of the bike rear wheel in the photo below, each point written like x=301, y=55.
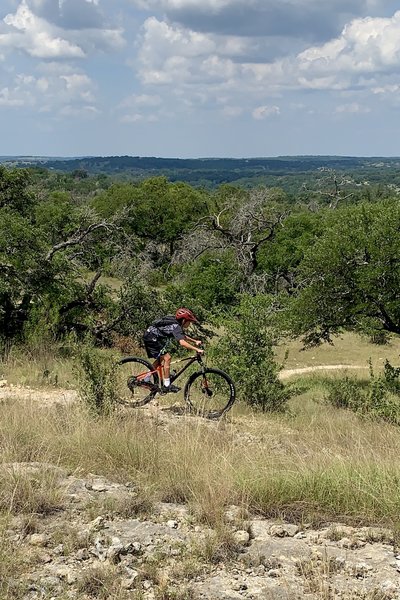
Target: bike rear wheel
x=132, y=389
x=210, y=393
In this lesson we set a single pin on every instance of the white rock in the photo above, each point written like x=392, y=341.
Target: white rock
x=241, y=537
x=129, y=582
x=39, y=539
x=99, y=487
x=97, y=524
x=172, y=524
x=286, y=530
x=273, y=573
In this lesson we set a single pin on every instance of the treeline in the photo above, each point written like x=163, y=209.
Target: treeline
x=100, y=264
x=285, y=172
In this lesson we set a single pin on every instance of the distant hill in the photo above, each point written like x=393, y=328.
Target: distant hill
x=209, y=172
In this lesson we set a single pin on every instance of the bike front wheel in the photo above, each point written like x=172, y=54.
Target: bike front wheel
x=210, y=393
x=136, y=382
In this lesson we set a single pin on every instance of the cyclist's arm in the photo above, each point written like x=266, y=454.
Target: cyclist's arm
x=197, y=342
x=188, y=346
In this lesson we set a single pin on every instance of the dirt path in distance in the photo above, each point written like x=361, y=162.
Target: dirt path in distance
x=46, y=397
x=49, y=397
x=286, y=373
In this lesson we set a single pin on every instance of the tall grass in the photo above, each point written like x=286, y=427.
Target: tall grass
x=317, y=463
x=45, y=365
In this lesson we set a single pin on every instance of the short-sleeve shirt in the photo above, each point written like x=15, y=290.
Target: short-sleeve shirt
x=165, y=328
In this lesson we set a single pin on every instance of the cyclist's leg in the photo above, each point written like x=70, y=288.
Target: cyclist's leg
x=167, y=385
x=153, y=350
x=166, y=363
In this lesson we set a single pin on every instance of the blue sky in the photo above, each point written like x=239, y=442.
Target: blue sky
x=199, y=78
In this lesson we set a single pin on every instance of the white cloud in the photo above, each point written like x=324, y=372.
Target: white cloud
x=36, y=36
x=57, y=93
x=352, y=108
x=138, y=117
x=140, y=100
x=81, y=111
x=262, y=112
x=310, y=21
x=198, y=68
x=386, y=89
x=366, y=46
x=45, y=36
x=141, y=107
x=11, y=98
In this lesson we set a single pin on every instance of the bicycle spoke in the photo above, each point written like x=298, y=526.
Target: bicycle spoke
x=210, y=394
x=132, y=390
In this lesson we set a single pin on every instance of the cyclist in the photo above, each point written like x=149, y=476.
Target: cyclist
x=156, y=339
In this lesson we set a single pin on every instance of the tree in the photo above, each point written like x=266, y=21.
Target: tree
x=15, y=193
x=350, y=278
x=155, y=210
x=45, y=254
x=242, y=225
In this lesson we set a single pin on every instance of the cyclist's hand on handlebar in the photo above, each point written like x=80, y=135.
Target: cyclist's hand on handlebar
x=200, y=351
x=198, y=342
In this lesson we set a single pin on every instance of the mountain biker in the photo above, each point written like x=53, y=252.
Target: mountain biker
x=156, y=339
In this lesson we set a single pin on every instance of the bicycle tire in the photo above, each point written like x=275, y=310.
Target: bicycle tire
x=135, y=395
x=221, y=394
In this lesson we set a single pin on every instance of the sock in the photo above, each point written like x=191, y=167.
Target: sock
x=167, y=382
x=147, y=379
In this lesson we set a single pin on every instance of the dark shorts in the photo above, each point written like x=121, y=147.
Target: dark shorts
x=154, y=348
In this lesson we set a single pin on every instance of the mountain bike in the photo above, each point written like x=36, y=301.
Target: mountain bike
x=208, y=392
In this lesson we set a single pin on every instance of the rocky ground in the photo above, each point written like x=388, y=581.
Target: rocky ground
x=105, y=542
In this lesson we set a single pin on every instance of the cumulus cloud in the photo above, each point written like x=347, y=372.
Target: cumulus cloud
x=307, y=19
x=141, y=107
x=58, y=92
x=12, y=98
x=42, y=29
x=352, y=108
x=172, y=54
x=262, y=112
x=198, y=68
x=367, y=48
x=34, y=35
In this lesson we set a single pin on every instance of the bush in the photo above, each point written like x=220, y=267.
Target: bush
x=346, y=393
x=379, y=398
x=245, y=351
x=97, y=381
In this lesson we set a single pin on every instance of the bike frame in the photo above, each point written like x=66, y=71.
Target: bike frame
x=159, y=369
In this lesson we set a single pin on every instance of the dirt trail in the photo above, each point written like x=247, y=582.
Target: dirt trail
x=46, y=397
x=286, y=373
x=49, y=397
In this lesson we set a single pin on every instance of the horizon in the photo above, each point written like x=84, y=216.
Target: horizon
x=270, y=157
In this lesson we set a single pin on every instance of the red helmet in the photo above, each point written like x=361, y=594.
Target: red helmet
x=186, y=314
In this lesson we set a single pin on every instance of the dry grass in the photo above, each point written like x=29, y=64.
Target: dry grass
x=349, y=349
x=316, y=462
x=42, y=368
x=28, y=493
x=101, y=583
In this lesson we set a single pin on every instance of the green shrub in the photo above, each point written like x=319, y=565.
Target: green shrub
x=346, y=393
x=379, y=398
x=245, y=351
x=392, y=377
x=97, y=381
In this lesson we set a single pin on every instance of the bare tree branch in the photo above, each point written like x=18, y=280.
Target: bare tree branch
x=78, y=238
